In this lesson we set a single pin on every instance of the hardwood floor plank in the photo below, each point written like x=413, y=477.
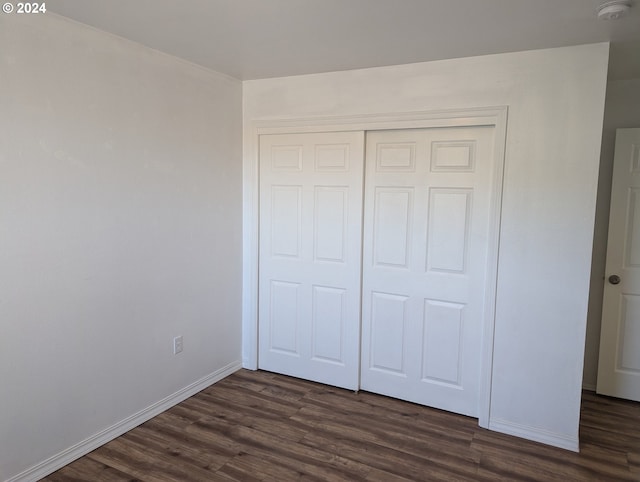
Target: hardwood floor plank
x=259, y=426
x=88, y=469
x=184, y=451
x=257, y=418
x=601, y=455
x=244, y=380
x=314, y=459
x=403, y=415
x=247, y=465
x=140, y=467
x=198, y=437
x=408, y=438
x=387, y=459
x=377, y=475
x=164, y=463
x=413, y=429
x=514, y=467
x=633, y=458
x=259, y=401
x=501, y=455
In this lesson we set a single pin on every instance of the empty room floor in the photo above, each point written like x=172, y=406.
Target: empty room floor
x=260, y=426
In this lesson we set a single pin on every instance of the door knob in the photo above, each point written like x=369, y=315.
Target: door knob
x=614, y=279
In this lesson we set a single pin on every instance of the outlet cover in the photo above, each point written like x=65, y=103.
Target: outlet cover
x=177, y=345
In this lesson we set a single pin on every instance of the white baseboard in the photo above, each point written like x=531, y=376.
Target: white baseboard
x=76, y=451
x=537, y=435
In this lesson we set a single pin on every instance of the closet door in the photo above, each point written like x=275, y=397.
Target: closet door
x=310, y=255
x=426, y=227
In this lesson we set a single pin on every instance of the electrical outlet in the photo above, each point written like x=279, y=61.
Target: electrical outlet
x=177, y=345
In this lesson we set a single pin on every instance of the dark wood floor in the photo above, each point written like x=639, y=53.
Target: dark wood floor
x=260, y=426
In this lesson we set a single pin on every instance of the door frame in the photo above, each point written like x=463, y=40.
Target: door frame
x=495, y=116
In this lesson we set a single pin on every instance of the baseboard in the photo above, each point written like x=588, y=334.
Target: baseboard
x=74, y=452
x=591, y=387
x=535, y=434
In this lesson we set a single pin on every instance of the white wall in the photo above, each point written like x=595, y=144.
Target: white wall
x=120, y=228
x=556, y=100
x=622, y=109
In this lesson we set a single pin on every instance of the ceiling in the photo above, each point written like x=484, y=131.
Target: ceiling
x=253, y=39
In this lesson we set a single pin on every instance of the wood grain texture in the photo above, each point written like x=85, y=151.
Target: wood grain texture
x=259, y=426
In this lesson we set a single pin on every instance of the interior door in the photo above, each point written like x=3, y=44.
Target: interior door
x=619, y=361
x=310, y=255
x=428, y=201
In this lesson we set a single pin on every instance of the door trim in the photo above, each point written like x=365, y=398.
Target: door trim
x=495, y=116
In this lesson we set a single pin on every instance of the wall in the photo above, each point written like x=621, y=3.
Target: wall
x=556, y=100
x=622, y=109
x=120, y=228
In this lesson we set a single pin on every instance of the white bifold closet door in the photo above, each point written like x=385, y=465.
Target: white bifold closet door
x=427, y=217
x=310, y=255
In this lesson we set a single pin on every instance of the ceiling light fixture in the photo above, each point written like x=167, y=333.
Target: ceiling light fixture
x=614, y=9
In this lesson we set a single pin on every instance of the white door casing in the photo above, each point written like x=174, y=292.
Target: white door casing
x=310, y=254
x=427, y=239
x=619, y=359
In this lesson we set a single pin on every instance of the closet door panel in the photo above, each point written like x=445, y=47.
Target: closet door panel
x=310, y=255
x=428, y=202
